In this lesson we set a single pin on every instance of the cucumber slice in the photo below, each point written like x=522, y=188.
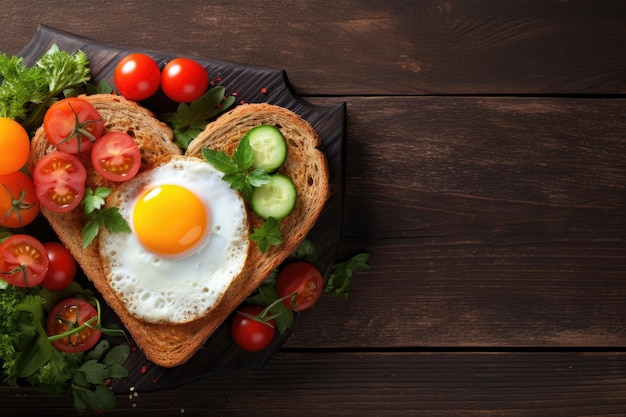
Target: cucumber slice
x=276, y=198
x=269, y=147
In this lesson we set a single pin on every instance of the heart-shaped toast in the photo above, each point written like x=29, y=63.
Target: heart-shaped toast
x=171, y=343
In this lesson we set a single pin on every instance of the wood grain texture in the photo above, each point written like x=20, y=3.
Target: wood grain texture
x=368, y=47
x=491, y=222
x=387, y=384
x=485, y=174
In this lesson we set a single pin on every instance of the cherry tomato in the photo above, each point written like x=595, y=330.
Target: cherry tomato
x=301, y=278
x=14, y=146
x=116, y=156
x=23, y=260
x=249, y=334
x=59, y=181
x=137, y=76
x=70, y=314
x=18, y=202
x=72, y=125
x=184, y=80
x=62, y=267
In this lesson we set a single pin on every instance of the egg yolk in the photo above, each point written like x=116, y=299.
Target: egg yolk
x=170, y=219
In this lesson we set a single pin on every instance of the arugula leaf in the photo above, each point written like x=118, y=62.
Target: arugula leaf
x=109, y=218
x=89, y=377
x=338, y=284
x=267, y=235
x=191, y=119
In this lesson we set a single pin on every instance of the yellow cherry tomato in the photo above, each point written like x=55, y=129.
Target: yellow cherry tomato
x=14, y=146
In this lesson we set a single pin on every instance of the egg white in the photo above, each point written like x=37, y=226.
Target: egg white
x=177, y=290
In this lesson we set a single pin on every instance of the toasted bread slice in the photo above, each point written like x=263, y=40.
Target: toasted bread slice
x=170, y=344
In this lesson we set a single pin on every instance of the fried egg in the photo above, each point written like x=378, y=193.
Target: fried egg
x=189, y=240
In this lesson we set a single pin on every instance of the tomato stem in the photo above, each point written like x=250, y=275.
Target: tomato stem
x=90, y=324
x=80, y=130
x=17, y=205
x=75, y=330
x=21, y=268
x=263, y=316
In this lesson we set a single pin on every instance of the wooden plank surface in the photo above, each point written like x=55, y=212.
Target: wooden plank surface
x=485, y=174
x=368, y=47
x=387, y=384
x=493, y=221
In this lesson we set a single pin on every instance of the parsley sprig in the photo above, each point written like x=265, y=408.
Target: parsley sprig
x=27, y=91
x=97, y=217
x=240, y=175
x=237, y=169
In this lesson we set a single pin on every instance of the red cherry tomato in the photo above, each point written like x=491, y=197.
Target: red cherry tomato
x=301, y=278
x=18, y=202
x=249, y=334
x=61, y=269
x=116, y=156
x=70, y=314
x=23, y=261
x=60, y=181
x=72, y=125
x=184, y=80
x=137, y=76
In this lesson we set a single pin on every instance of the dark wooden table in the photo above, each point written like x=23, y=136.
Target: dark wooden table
x=485, y=173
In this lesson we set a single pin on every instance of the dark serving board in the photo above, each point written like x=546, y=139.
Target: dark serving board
x=251, y=84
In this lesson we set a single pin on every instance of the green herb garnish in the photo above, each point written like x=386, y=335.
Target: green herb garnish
x=191, y=119
x=267, y=235
x=27, y=353
x=238, y=172
x=338, y=285
x=26, y=92
x=109, y=218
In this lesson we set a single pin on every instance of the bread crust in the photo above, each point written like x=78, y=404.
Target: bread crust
x=172, y=344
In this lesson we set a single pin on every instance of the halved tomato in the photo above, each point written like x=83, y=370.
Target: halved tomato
x=116, y=156
x=59, y=181
x=72, y=125
x=78, y=318
x=23, y=260
x=304, y=281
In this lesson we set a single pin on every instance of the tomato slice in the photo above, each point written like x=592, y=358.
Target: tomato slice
x=303, y=279
x=72, y=125
x=23, y=260
x=59, y=181
x=67, y=315
x=116, y=156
